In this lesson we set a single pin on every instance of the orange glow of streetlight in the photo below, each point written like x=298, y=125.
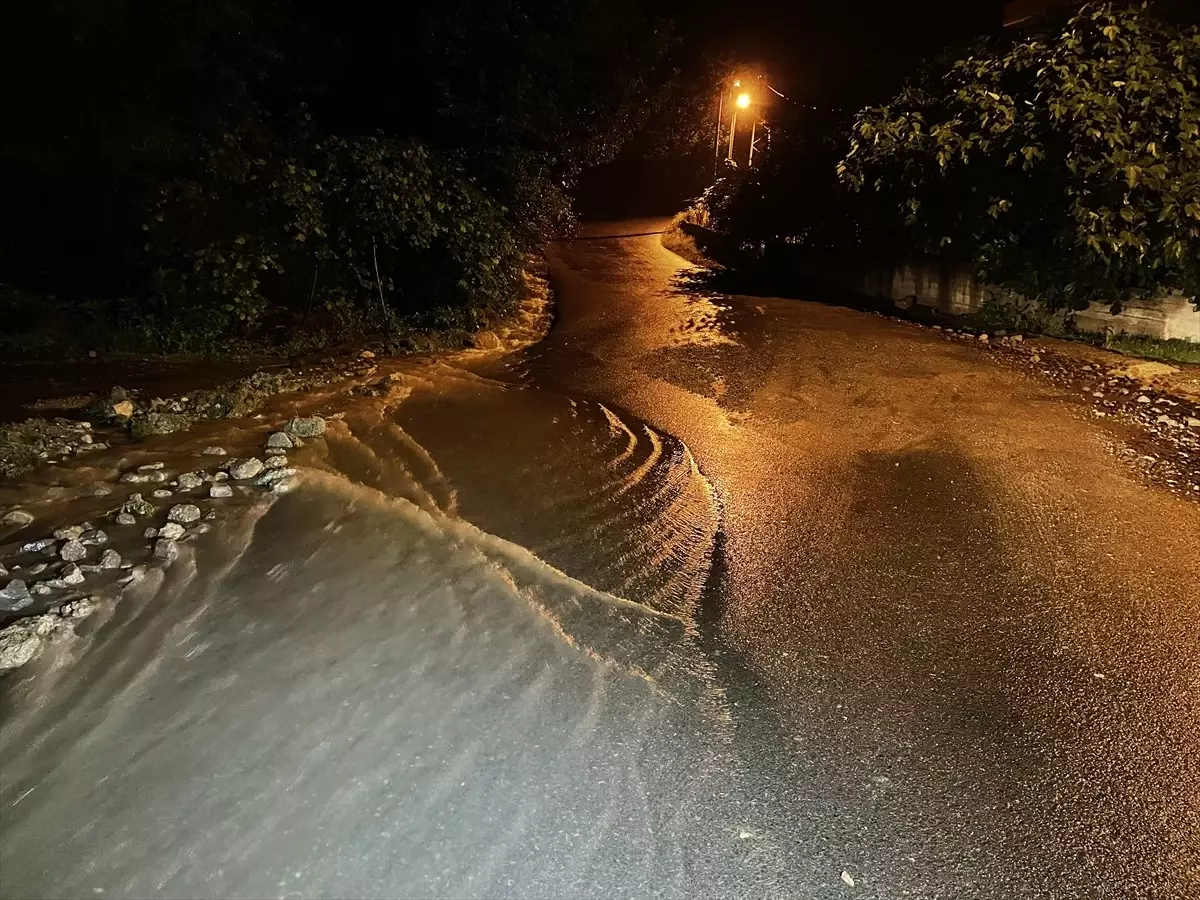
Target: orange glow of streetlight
x=743, y=100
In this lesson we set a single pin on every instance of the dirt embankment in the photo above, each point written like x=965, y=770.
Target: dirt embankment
x=60, y=411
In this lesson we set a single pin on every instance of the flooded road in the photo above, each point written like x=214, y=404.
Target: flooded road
x=699, y=596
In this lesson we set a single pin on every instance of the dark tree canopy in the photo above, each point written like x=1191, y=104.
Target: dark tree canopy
x=1066, y=165
x=233, y=164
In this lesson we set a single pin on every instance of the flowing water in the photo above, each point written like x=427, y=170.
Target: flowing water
x=461, y=657
x=699, y=596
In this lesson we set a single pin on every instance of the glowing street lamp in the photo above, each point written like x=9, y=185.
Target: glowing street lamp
x=742, y=101
x=739, y=98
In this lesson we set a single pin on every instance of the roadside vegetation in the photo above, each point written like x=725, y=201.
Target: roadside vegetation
x=1062, y=166
x=236, y=177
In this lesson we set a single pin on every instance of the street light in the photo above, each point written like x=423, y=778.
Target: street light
x=739, y=100
x=742, y=101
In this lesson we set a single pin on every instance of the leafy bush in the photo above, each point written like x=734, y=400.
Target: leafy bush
x=443, y=141
x=1002, y=310
x=275, y=227
x=1065, y=166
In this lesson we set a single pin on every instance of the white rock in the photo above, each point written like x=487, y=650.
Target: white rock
x=70, y=574
x=17, y=517
x=172, y=531
x=14, y=596
x=184, y=513
x=73, y=551
x=190, y=481
x=277, y=480
x=94, y=537
x=220, y=490
x=18, y=645
x=165, y=550
x=213, y=451
x=305, y=426
x=242, y=469
x=70, y=533
x=78, y=609
x=43, y=625
x=110, y=559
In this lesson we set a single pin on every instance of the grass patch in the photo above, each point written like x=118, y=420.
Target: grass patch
x=678, y=241
x=1173, y=350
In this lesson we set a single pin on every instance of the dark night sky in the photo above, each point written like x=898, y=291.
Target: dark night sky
x=829, y=53
x=839, y=52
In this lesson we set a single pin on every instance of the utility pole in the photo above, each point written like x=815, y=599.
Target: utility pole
x=732, y=131
x=753, y=126
x=717, y=141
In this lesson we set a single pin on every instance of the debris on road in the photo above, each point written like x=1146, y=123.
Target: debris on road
x=1154, y=430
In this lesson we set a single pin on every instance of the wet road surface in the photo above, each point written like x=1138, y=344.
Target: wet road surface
x=700, y=596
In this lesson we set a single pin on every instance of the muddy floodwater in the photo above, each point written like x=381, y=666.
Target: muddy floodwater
x=698, y=596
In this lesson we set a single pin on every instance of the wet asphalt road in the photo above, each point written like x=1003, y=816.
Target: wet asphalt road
x=966, y=644
x=700, y=596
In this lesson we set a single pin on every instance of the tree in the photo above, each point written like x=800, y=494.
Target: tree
x=225, y=167
x=1065, y=166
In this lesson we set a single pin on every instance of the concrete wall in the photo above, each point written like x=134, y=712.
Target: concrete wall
x=1174, y=317
x=957, y=291
x=950, y=290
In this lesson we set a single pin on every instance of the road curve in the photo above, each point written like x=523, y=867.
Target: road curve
x=970, y=638
x=701, y=596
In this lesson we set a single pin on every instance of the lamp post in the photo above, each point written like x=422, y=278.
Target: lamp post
x=742, y=102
